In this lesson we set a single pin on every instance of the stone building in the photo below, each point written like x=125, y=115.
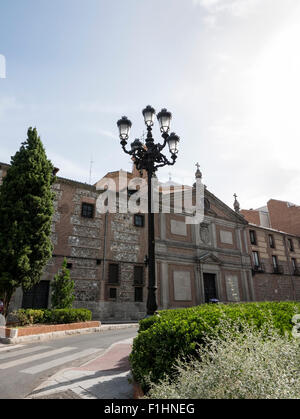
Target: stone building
x=195, y=263
x=275, y=253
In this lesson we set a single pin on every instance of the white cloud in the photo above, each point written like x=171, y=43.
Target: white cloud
x=237, y=8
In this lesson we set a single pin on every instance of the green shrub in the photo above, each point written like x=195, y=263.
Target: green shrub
x=252, y=364
x=29, y=317
x=170, y=334
x=73, y=315
x=63, y=316
x=62, y=286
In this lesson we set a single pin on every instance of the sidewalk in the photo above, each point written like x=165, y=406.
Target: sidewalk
x=106, y=377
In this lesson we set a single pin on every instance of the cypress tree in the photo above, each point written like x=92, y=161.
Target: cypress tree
x=26, y=209
x=62, y=289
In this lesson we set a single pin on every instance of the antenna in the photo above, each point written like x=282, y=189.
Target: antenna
x=91, y=168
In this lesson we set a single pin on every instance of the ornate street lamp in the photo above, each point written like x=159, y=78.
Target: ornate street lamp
x=148, y=156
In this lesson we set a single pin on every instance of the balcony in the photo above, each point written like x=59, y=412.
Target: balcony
x=278, y=270
x=256, y=269
x=296, y=271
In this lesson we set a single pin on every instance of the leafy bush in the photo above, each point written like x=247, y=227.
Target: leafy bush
x=247, y=364
x=179, y=333
x=62, y=295
x=63, y=316
x=29, y=317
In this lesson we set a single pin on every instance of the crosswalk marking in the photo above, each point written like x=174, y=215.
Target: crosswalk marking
x=59, y=361
x=22, y=352
x=34, y=358
x=10, y=347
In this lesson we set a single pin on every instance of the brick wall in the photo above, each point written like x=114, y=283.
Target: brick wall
x=251, y=216
x=284, y=217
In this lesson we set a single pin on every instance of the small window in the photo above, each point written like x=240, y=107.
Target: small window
x=113, y=293
x=294, y=264
x=291, y=245
x=139, y=220
x=87, y=210
x=69, y=265
x=138, y=275
x=113, y=273
x=255, y=258
x=98, y=262
x=138, y=295
x=271, y=241
x=252, y=237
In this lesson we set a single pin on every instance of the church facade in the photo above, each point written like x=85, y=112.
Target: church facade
x=107, y=255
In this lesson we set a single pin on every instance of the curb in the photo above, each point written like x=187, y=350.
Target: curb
x=105, y=327
x=42, y=337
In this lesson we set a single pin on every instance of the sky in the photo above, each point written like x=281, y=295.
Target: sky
x=228, y=70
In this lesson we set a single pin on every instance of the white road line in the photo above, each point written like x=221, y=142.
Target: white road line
x=34, y=358
x=59, y=361
x=10, y=347
x=23, y=352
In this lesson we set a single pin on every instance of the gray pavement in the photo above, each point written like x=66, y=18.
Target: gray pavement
x=26, y=368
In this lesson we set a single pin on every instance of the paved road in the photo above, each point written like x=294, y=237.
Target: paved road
x=24, y=367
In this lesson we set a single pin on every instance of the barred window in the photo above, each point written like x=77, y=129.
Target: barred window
x=87, y=210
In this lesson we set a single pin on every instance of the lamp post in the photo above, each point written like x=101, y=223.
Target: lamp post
x=148, y=156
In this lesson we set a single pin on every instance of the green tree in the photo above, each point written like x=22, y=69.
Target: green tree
x=26, y=209
x=62, y=289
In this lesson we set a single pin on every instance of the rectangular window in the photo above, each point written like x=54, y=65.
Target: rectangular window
x=113, y=273
x=252, y=237
x=87, y=210
x=271, y=241
x=291, y=245
x=255, y=258
x=275, y=263
x=113, y=293
x=294, y=264
x=139, y=220
x=138, y=275
x=69, y=265
x=138, y=295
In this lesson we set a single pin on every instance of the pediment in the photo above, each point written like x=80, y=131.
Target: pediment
x=220, y=209
x=209, y=257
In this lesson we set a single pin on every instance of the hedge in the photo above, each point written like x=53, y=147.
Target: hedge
x=62, y=316
x=171, y=334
